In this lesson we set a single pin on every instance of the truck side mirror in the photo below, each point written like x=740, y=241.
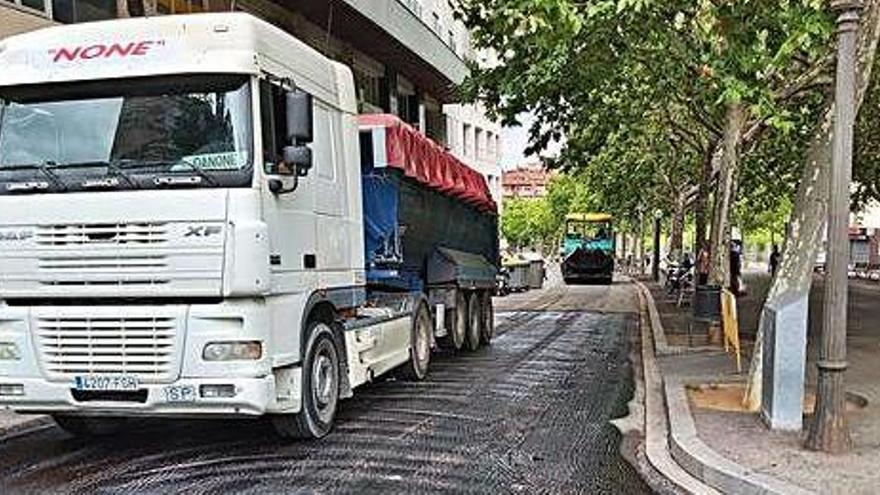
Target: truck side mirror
x=298, y=159
x=300, y=117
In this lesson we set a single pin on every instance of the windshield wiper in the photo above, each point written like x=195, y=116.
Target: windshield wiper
x=113, y=169
x=45, y=167
x=198, y=170
x=130, y=163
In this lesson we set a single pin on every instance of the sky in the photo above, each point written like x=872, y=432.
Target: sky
x=515, y=140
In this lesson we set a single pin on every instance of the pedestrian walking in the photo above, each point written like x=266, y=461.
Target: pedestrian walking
x=736, y=266
x=703, y=265
x=775, y=258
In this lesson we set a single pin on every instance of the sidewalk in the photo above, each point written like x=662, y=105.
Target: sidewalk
x=730, y=449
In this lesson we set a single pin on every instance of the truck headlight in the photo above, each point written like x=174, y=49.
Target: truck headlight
x=9, y=352
x=233, y=351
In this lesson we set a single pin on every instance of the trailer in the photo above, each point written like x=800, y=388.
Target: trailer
x=194, y=221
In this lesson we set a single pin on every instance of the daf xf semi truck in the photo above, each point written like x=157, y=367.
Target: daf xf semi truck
x=194, y=221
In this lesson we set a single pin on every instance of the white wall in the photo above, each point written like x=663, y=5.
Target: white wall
x=484, y=149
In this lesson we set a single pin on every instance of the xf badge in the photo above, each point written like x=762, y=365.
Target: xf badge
x=202, y=230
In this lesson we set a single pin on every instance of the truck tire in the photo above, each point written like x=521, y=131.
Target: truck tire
x=475, y=322
x=80, y=426
x=416, y=368
x=320, y=388
x=488, y=315
x=457, y=322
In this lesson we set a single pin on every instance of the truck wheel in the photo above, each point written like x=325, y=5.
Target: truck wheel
x=89, y=427
x=459, y=324
x=488, y=312
x=475, y=322
x=420, y=344
x=320, y=388
x=456, y=323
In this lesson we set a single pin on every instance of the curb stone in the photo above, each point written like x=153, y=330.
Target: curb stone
x=684, y=444
x=661, y=346
x=705, y=463
x=656, y=429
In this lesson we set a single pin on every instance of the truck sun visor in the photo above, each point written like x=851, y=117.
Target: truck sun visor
x=397, y=145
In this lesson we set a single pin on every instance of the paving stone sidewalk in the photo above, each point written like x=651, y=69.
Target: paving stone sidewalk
x=740, y=437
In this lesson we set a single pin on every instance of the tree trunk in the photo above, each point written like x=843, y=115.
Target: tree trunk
x=122, y=9
x=701, y=205
x=677, y=231
x=640, y=243
x=806, y=226
x=150, y=8
x=719, y=249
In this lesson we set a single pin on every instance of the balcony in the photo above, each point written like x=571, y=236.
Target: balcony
x=391, y=32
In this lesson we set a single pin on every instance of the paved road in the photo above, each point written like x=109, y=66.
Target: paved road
x=527, y=415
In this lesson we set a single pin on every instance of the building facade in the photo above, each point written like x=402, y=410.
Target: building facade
x=407, y=56
x=526, y=181
x=476, y=140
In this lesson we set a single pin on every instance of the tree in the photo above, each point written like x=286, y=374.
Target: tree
x=529, y=223
x=805, y=227
x=594, y=72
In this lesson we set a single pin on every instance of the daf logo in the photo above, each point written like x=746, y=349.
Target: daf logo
x=202, y=230
x=15, y=235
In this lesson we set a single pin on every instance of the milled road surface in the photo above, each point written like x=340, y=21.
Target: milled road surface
x=529, y=414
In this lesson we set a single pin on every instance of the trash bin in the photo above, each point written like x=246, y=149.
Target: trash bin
x=536, y=274
x=707, y=303
x=519, y=275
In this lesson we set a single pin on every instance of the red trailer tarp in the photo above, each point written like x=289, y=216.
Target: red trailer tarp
x=426, y=162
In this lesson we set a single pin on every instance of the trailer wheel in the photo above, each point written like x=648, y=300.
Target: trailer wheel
x=320, y=388
x=488, y=314
x=457, y=322
x=89, y=427
x=420, y=344
x=475, y=322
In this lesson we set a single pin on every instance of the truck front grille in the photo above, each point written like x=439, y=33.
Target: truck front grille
x=141, y=233
x=103, y=270
x=140, y=346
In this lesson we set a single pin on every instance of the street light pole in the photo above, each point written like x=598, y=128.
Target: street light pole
x=829, y=431
x=655, y=264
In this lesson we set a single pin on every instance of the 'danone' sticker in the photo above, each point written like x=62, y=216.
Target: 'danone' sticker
x=232, y=160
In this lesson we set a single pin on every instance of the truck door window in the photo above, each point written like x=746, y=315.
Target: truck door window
x=273, y=125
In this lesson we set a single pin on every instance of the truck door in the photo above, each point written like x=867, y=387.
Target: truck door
x=331, y=199
x=291, y=217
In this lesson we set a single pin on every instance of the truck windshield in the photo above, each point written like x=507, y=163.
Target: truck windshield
x=145, y=131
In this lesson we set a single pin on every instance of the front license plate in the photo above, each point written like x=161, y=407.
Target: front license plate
x=117, y=383
x=180, y=393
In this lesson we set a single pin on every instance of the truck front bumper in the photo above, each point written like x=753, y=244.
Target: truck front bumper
x=252, y=397
x=59, y=344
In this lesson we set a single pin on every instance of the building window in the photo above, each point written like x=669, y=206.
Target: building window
x=479, y=140
x=451, y=41
x=69, y=11
x=435, y=19
x=468, y=141
x=487, y=148
x=40, y=6
x=369, y=87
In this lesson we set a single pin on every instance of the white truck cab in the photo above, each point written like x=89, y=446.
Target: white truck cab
x=181, y=227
